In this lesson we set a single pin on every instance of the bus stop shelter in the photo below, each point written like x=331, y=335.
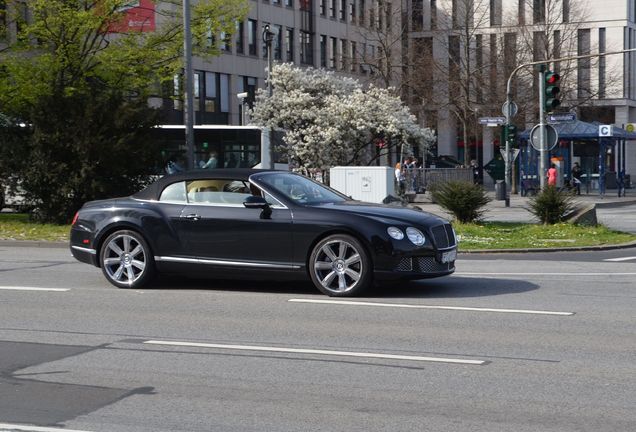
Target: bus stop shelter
x=602, y=158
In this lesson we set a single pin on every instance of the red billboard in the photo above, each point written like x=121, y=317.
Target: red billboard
x=138, y=16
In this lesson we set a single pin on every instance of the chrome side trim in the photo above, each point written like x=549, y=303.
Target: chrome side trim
x=227, y=262
x=87, y=250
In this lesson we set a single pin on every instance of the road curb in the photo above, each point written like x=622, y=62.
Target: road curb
x=559, y=249
x=33, y=243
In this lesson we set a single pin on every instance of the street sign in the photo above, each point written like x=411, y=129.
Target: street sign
x=495, y=168
x=630, y=127
x=513, y=153
x=550, y=139
x=605, y=130
x=513, y=109
x=494, y=121
x=561, y=117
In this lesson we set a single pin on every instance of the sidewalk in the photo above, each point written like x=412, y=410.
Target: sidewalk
x=497, y=211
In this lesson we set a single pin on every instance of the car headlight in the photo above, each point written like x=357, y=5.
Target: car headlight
x=395, y=233
x=416, y=236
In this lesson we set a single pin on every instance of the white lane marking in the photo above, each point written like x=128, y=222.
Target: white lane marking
x=412, y=306
x=27, y=428
x=21, y=288
x=620, y=259
x=318, y=352
x=542, y=274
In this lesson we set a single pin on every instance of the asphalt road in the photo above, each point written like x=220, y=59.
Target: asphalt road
x=532, y=342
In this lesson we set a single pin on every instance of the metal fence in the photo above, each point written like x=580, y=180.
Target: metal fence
x=420, y=179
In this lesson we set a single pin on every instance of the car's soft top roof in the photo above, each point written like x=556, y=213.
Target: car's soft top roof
x=153, y=190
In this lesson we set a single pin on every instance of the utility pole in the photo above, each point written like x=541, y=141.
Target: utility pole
x=188, y=109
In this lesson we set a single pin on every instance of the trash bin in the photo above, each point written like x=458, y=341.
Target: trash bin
x=500, y=190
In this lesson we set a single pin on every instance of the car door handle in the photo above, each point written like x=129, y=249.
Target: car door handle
x=193, y=217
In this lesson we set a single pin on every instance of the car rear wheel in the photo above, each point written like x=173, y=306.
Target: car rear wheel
x=126, y=260
x=339, y=266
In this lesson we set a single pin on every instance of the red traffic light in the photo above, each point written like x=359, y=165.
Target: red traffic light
x=552, y=78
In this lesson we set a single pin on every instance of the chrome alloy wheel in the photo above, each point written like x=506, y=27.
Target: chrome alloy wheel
x=124, y=259
x=338, y=266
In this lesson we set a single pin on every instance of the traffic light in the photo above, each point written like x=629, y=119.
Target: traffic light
x=551, y=90
x=511, y=134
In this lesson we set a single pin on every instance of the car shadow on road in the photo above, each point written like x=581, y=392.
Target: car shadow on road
x=446, y=287
x=168, y=282
x=452, y=287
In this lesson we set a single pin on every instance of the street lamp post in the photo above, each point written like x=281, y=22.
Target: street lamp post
x=188, y=111
x=268, y=38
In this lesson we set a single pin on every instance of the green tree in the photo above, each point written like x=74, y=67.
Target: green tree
x=80, y=86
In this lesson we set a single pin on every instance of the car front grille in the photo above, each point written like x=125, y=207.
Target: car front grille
x=443, y=236
x=423, y=265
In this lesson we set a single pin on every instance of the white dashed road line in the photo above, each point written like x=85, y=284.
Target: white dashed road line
x=620, y=259
x=412, y=306
x=21, y=288
x=28, y=428
x=317, y=352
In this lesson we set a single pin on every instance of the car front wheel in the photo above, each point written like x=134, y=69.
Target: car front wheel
x=126, y=260
x=339, y=266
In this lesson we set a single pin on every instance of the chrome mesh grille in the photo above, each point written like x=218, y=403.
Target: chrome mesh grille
x=443, y=236
x=423, y=265
x=405, y=264
x=430, y=265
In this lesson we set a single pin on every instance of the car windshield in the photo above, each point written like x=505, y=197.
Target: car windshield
x=301, y=190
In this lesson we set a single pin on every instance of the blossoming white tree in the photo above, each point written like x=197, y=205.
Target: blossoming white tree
x=330, y=120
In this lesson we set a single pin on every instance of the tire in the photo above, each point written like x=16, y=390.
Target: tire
x=339, y=266
x=126, y=260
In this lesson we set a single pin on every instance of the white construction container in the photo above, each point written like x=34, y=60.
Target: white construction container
x=366, y=183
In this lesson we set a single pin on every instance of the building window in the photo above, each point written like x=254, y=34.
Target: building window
x=210, y=92
x=276, y=2
x=251, y=37
x=176, y=92
x=342, y=10
x=342, y=60
x=602, y=42
x=521, y=12
x=354, y=57
x=197, y=90
x=306, y=48
x=224, y=95
x=583, y=69
x=332, y=8
x=289, y=45
x=538, y=11
x=333, y=52
x=323, y=7
x=289, y=3
x=361, y=21
x=566, y=11
x=240, y=30
x=389, y=15
x=352, y=12
x=495, y=13
x=323, y=51
x=277, y=43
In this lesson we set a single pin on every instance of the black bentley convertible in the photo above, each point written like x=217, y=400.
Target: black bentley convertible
x=259, y=223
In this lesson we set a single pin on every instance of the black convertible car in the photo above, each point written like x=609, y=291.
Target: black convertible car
x=259, y=223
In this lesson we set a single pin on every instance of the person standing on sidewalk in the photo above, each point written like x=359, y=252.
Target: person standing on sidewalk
x=576, y=177
x=552, y=175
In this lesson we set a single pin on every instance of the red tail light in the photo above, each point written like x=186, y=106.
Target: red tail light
x=75, y=218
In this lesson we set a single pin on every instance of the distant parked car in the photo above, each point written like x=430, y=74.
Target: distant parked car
x=271, y=224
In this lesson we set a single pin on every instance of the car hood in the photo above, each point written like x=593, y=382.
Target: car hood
x=386, y=213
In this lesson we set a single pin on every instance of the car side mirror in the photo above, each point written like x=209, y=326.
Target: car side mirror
x=257, y=202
